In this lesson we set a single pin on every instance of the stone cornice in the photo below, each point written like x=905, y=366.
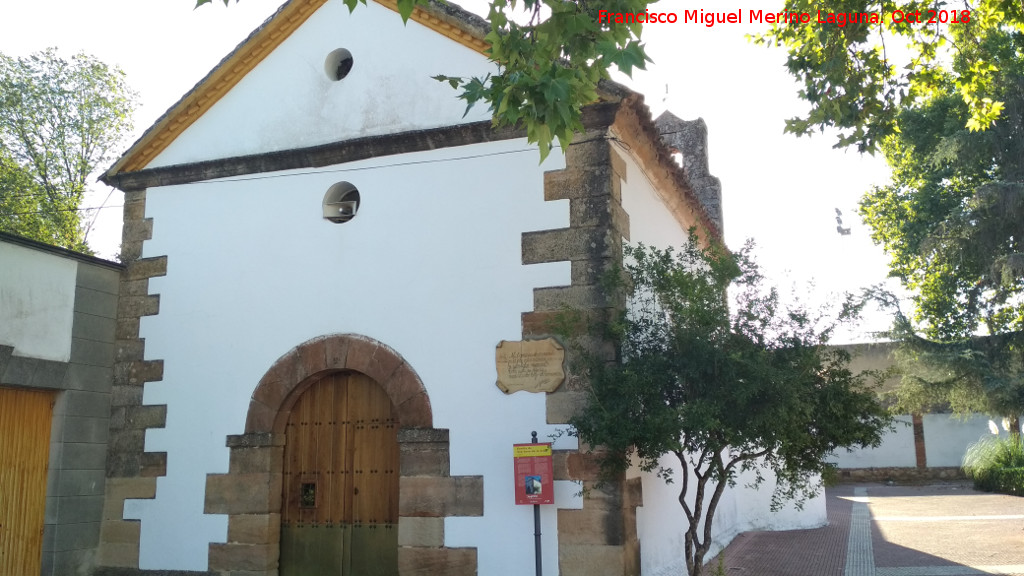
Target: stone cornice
x=334, y=153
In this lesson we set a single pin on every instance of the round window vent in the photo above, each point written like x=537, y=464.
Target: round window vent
x=338, y=64
x=341, y=202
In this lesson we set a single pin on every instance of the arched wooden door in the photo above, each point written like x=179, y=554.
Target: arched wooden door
x=339, y=513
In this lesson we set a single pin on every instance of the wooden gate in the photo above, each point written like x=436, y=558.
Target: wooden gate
x=340, y=503
x=25, y=417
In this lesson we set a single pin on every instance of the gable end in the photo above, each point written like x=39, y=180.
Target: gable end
x=457, y=25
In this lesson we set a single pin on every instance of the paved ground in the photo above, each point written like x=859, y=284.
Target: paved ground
x=877, y=530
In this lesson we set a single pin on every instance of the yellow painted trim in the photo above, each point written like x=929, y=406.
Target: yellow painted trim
x=438, y=25
x=226, y=75
x=222, y=79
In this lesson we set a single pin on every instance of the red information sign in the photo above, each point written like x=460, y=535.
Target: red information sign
x=534, y=483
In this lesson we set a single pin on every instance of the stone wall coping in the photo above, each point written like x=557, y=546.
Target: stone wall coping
x=255, y=440
x=57, y=250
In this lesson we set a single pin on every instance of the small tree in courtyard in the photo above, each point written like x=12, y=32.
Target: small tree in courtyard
x=747, y=389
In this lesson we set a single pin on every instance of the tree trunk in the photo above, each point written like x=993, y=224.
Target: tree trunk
x=692, y=548
x=696, y=548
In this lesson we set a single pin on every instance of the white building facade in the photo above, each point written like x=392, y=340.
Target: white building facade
x=239, y=299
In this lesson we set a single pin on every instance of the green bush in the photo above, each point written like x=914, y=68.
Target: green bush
x=996, y=464
x=1007, y=481
x=830, y=475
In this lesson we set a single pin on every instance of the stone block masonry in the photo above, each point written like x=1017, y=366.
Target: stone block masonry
x=79, y=431
x=250, y=493
x=594, y=541
x=601, y=539
x=131, y=472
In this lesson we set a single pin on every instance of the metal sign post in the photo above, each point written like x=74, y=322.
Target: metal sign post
x=536, y=523
x=534, y=482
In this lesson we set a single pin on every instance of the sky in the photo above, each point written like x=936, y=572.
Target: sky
x=778, y=189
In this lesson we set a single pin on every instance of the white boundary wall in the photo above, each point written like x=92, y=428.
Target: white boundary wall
x=946, y=438
x=37, y=302
x=896, y=450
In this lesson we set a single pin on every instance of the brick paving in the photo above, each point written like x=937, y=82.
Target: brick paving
x=878, y=530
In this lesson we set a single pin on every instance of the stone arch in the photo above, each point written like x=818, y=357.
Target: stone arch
x=250, y=493
x=289, y=375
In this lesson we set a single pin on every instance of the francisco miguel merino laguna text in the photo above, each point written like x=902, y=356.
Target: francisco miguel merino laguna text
x=840, y=19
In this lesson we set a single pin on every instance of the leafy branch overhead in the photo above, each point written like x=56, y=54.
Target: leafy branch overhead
x=977, y=374
x=952, y=223
x=858, y=77
x=550, y=55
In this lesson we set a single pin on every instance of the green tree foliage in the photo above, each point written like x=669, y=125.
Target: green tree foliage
x=952, y=222
x=725, y=391
x=977, y=374
x=548, y=67
x=26, y=210
x=60, y=120
x=858, y=77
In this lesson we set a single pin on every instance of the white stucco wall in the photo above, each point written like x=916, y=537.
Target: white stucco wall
x=287, y=101
x=430, y=266
x=661, y=521
x=650, y=220
x=37, y=301
x=896, y=449
x=946, y=438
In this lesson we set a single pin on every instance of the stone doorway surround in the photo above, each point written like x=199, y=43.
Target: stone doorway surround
x=250, y=493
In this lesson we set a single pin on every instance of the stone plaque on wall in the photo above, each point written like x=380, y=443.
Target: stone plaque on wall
x=530, y=365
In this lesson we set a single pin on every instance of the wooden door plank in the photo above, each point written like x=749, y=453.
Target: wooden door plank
x=290, y=500
x=25, y=420
x=357, y=410
x=342, y=453
x=376, y=458
x=307, y=451
x=377, y=445
x=324, y=469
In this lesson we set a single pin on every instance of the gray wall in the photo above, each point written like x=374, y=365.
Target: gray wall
x=81, y=418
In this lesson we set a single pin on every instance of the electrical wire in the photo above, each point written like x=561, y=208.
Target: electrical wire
x=393, y=165
x=331, y=171
x=65, y=210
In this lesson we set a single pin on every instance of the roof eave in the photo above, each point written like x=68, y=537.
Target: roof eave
x=445, y=18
